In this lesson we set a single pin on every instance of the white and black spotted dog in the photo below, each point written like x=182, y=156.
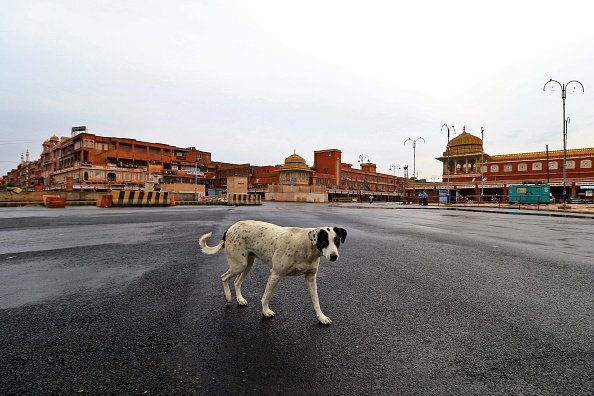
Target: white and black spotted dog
x=285, y=250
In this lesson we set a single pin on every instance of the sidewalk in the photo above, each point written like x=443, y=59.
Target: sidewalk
x=571, y=210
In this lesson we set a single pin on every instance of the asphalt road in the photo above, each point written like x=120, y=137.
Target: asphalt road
x=424, y=301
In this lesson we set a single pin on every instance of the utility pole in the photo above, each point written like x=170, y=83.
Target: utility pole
x=565, y=122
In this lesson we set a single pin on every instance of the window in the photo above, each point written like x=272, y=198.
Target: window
x=522, y=167
x=585, y=163
x=553, y=165
x=537, y=166
x=494, y=168
x=570, y=164
x=507, y=168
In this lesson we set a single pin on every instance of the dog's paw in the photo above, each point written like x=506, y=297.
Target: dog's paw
x=269, y=313
x=241, y=301
x=325, y=320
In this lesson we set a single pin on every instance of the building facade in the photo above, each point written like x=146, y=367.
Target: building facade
x=87, y=161
x=469, y=171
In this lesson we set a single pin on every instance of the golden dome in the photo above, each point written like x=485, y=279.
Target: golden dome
x=295, y=161
x=465, y=143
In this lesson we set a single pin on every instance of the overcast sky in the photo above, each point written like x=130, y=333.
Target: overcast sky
x=251, y=81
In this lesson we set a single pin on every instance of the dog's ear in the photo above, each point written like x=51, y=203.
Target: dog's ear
x=341, y=232
x=313, y=236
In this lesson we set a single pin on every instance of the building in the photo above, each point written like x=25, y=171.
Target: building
x=469, y=171
x=295, y=172
x=347, y=183
x=85, y=161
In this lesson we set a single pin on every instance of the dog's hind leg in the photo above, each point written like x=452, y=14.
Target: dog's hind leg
x=239, y=280
x=237, y=265
x=225, y=281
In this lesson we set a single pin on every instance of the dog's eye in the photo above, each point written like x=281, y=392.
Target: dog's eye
x=325, y=243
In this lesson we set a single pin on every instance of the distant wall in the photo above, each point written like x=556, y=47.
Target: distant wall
x=184, y=188
x=37, y=197
x=296, y=197
x=26, y=196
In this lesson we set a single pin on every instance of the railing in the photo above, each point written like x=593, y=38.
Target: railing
x=510, y=201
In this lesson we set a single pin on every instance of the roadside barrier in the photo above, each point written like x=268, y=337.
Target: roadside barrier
x=104, y=201
x=243, y=199
x=54, y=201
x=140, y=198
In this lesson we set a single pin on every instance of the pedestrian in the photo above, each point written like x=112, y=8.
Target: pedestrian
x=425, y=198
x=371, y=199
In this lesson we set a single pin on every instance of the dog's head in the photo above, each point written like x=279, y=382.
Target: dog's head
x=327, y=240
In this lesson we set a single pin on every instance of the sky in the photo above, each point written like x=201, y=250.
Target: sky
x=254, y=81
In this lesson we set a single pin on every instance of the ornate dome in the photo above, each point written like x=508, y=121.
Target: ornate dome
x=295, y=161
x=465, y=143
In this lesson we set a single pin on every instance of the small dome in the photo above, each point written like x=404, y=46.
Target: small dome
x=295, y=161
x=465, y=143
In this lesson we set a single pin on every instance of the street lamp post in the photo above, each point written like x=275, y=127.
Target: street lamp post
x=404, y=183
x=393, y=167
x=565, y=121
x=414, y=144
x=447, y=172
x=482, y=161
x=196, y=181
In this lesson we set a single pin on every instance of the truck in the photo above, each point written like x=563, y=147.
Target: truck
x=529, y=193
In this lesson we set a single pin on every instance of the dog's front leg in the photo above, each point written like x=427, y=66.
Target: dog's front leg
x=312, y=285
x=270, y=285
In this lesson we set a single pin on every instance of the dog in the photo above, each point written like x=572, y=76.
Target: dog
x=287, y=251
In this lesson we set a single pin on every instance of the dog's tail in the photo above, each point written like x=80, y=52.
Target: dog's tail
x=208, y=249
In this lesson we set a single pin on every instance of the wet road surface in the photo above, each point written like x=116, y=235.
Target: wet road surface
x=119, y=301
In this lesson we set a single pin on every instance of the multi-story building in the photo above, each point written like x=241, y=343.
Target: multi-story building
x=468, y=170
x=90, y=161
x=344, y=181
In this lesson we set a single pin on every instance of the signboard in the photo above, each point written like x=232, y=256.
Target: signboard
x=76, y=130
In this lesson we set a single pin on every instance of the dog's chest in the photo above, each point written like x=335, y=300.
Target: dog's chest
x=299, y=269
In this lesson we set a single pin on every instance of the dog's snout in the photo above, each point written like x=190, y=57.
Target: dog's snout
x=333, y=257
